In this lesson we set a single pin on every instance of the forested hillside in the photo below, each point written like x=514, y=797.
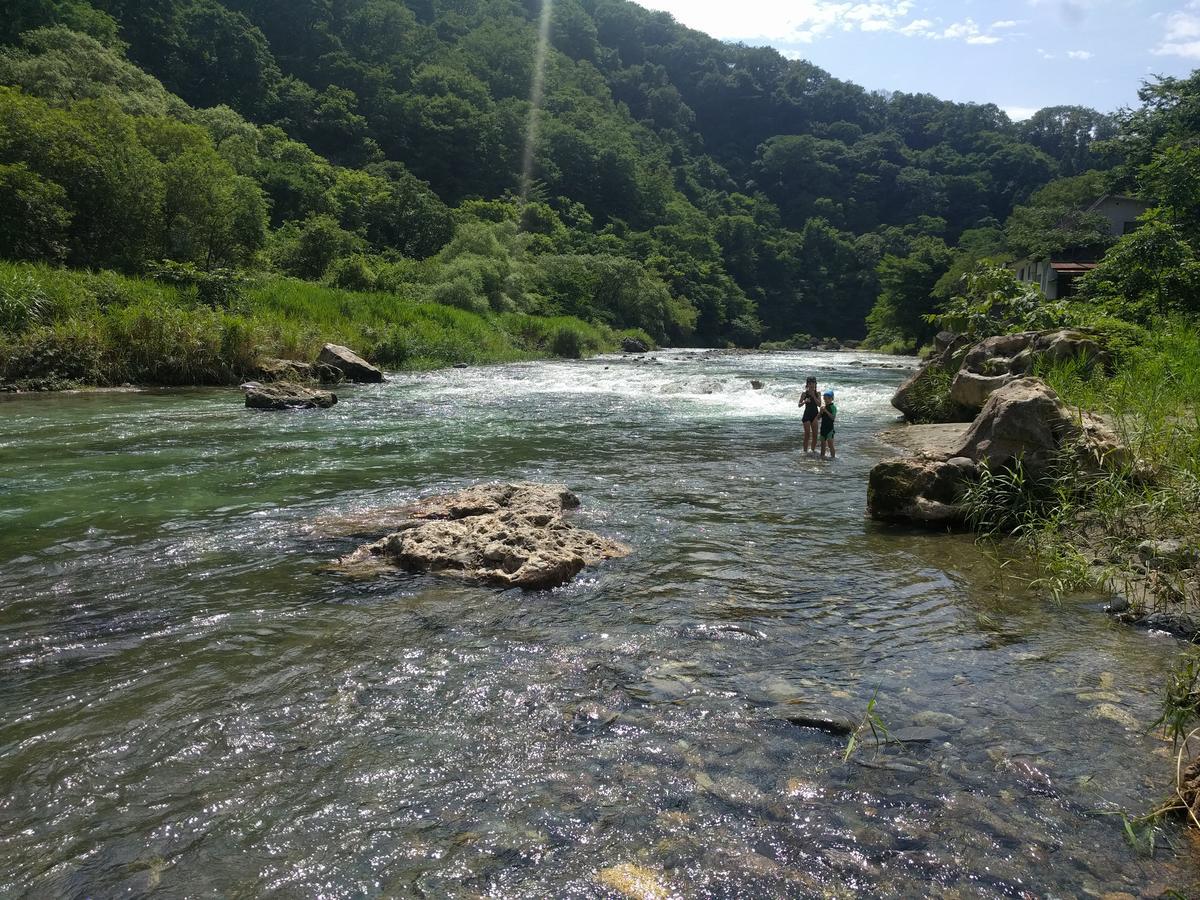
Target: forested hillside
x=704, y=192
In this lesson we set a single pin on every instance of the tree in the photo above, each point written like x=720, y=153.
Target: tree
x=35, y=215
x=906, y=286
x=1147, y=275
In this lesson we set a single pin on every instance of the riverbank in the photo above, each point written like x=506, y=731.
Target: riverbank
x=62, y=328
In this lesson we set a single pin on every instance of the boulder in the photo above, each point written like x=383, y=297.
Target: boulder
x=507, y=535
x=756, y=384
x=921, y=490
x=634, y=345
x=973, y=372
x=1026, y=420
x=285, y=395
x=1168, y=555
x=328, y=374
x=271, y=369
x=971, y=391
x=352, y=366
x=996, y=361
x=923, y=397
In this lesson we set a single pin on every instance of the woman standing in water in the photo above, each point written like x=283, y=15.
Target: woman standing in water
x=810, y=400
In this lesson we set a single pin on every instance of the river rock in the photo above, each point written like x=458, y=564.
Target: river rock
x=921, y=392
x=922, y=490
x=351, y=365
x=327, y=374
x=271, y=369
x=971, y=391
x=996, y=361
x=1168, y=555
x=285, y=395
x=508, y=535
x=1026, y=420
x=634, y=882
x=634, y=345
x=757, y=385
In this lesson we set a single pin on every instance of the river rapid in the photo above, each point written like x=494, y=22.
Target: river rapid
x=192, y=707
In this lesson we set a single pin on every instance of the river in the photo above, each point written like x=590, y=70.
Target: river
x=191, y=706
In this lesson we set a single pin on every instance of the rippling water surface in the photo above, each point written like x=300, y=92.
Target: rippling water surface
x=190, y=706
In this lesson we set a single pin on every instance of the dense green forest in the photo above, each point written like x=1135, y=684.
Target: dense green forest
x=699, y=191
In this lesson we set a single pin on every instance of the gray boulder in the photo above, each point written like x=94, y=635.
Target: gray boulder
x=1026, y=420
x=351, y=365
x=634, y=345
x=508, y=535
x=271, y=369
x=970, y=391
x=283, y=395
x=327, y=374
x=920, y=490
x=996, y=361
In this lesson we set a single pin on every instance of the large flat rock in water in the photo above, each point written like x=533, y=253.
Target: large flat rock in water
x=929, y=440
x=508, y=535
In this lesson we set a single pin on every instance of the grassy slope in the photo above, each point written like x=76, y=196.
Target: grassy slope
x=61, y=327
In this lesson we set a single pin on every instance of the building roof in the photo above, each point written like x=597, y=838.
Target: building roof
x=1095, y=206
x=1072, y=268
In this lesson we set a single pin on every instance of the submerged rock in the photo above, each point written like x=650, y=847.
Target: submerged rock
x=633, y=881
x=285, y=395
x=757, y=385
x=508, y=535
x=350, y=364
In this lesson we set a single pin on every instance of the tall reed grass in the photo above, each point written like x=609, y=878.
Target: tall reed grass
x=60, y=327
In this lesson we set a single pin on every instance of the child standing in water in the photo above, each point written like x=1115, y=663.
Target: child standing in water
x=828, y=426
x=811, y=401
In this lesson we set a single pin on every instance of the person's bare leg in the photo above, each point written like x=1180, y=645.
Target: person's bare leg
x=832, y=449
x=823, y=443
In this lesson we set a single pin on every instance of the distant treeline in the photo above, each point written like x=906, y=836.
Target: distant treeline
x=705, y=192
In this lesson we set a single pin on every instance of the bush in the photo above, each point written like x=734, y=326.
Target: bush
x=992, y=301
x=567, y=342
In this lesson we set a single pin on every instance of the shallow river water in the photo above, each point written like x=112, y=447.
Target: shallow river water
x=191, y=706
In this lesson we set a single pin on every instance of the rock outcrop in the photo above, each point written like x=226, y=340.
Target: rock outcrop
x=956, y=382
x=282, y=395
x=352, y=366
x=997, y=361
x=1023, y=420
x=923, y=397
x=1026, y=420
x=634, y=345
x=508, y=535
x=922, y=490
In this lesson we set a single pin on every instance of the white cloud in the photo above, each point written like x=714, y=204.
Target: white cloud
x=1005, y=23
x=804, y=21
x=1020, y=113
x=1182, y=37
x=1079, y=54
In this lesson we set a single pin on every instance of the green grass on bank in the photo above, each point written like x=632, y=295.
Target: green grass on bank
x=62, y=327
x=1085, y=527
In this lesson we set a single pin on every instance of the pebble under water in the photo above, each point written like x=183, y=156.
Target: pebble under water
x=191, y=706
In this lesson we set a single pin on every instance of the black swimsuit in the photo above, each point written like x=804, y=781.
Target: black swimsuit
x=812, y=407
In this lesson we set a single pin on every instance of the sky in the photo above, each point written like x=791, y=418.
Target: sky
x=1022, y=55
